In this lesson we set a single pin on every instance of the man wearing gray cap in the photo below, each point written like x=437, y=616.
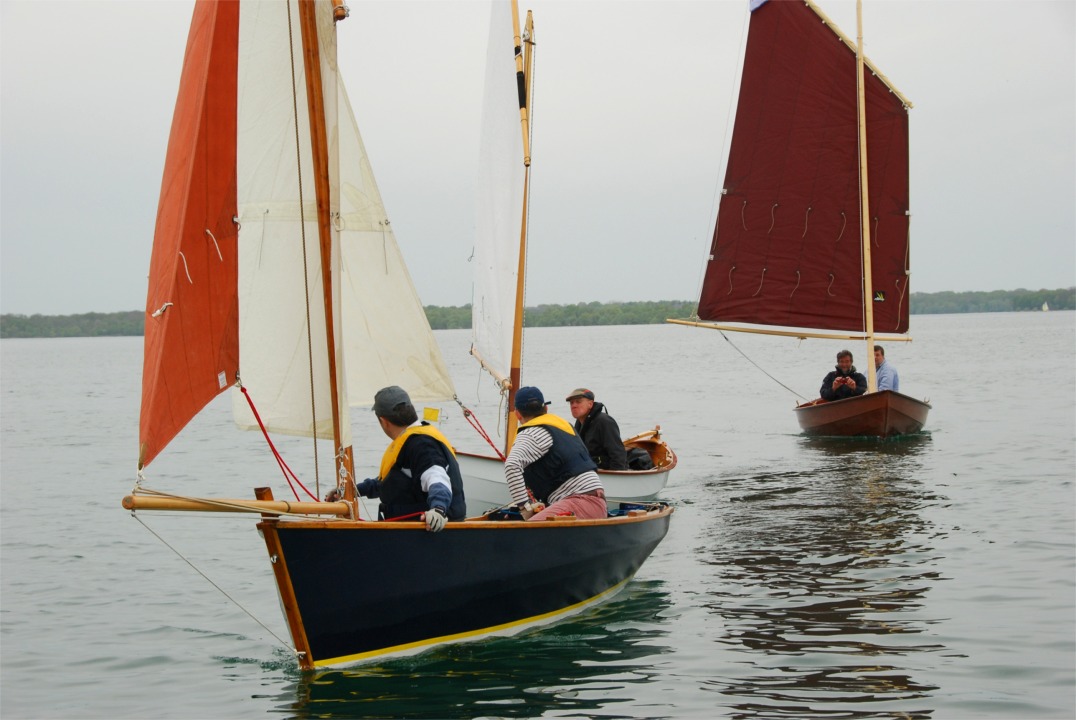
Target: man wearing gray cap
x=549, y=464
x=419, y=472
x=598, y=431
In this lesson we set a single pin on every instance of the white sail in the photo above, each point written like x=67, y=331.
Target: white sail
x=387, y=338
x=499, y=209
x=282, y=316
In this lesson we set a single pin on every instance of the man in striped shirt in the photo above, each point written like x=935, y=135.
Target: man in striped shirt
x=549, y=464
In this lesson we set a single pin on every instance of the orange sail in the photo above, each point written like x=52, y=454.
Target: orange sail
x=191, y=336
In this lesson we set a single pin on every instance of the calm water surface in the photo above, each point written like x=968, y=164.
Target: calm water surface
x=931, y=577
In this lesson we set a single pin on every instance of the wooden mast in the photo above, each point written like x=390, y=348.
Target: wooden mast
x=320, y=152
x=523, y=71
x=864, y=207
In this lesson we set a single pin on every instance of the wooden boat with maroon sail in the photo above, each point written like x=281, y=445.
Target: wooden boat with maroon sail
x=812, y=235
x=273, y=261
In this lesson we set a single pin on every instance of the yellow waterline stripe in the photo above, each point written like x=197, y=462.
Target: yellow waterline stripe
x=459, y=636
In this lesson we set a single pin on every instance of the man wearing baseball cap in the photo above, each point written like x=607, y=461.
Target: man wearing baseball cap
x=598, y=430
x=419, y=472
x=549, y=464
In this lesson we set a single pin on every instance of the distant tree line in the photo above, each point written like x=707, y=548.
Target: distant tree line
x=992, y=301
x=85, y=325
x=579, y=314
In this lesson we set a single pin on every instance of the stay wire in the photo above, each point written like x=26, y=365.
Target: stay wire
x=771, y=377
x=210, y=581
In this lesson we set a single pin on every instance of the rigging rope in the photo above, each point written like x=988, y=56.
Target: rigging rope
x=302, y=231
x=474, y=422
x=218, y=587
x=771, y=377
x=289, y=474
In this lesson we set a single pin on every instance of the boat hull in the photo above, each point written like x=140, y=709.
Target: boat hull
x=880, y=414
x=485, y=486
x=474, y=579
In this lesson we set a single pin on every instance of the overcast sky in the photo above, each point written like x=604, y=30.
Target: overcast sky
x=632, y=100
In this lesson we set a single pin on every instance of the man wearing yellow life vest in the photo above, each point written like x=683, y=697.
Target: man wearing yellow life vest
x=419, y=472
x=549, y=464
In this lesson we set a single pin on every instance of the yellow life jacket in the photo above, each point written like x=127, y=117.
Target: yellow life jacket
x=393, y=450
x=549, y=419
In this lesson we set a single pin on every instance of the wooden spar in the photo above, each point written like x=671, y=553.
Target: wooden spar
x=288, y=601
x=315, y=101
x=864, y=203
x=802, y=334
x=866, y=60
x=159, y=502
x=523, y=73
x=523, y=77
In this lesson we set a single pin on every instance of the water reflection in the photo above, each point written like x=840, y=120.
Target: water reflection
x=577, y=666
x=901, y=446
x=821, y=577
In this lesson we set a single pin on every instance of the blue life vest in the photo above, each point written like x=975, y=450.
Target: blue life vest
x=567, y=458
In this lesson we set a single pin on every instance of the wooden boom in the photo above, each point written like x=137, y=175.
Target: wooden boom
x=154, y=502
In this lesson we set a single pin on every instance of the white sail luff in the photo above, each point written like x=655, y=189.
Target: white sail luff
x=499, y=207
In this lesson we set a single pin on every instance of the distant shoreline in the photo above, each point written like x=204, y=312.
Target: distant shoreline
x=131, y=323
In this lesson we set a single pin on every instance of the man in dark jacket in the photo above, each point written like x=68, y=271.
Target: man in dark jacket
x=419, y=473
x=844, y=381
x=598, y=431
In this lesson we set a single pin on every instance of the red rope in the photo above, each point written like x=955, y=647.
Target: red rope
x=289, y=474
x=404, y=517
x=474, y=422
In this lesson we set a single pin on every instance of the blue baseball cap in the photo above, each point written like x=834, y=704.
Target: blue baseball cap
x=529, y=399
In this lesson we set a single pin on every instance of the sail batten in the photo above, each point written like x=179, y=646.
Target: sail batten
x=785, y=250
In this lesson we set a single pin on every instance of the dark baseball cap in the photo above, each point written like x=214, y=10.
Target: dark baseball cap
x=388, y=399
x=529, y=398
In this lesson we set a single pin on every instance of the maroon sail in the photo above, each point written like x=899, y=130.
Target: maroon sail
x=787, y=248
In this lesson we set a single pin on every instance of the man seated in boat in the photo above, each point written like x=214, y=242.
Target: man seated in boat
x=419, y=473
x=598, y=431
x=887, y=374
x=550, y=466
x=844, y=381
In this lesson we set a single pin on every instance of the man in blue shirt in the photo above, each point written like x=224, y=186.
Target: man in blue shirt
x=887, y=374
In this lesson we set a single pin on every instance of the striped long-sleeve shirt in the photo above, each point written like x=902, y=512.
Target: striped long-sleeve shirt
x=531, y=444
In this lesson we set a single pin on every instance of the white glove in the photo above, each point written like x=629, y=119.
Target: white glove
x=435, y=520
